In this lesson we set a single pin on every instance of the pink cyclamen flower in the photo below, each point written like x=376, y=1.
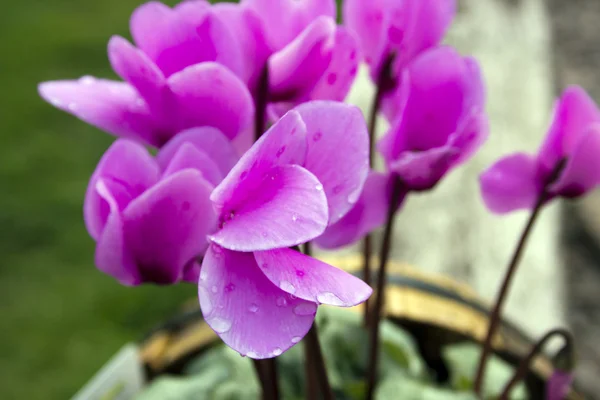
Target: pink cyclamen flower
x=441, y=121
x=304, y=173
x=558, y=385
x=151, y=216
x=181, y=75
x=402, y=28
x=307, y=55
x=573, y=140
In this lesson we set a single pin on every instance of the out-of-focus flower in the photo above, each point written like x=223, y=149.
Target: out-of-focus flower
x=441, y=121
x=181, y=75
x=304, y=173
x=572, y=144
x=558, y=385
x=151, y=216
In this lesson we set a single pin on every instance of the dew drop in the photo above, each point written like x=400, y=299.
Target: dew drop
x=264, y=265
x=220, y=325
x=253, y=308
x=252, y=354
x=265, y=234
x=55, y=102
x=305, y=309
x=87, y=80
x=296, y=339
x=229, y=288
x=354, y=195
x=243, y=175
x=214, y=289
x=292, y=297
x=280, y=151
x=300, y=273
x=281, y=302
x=317, y=136
x=295, y=217
x=277, y=351
x=319, y=187
x=331, y=78
x=287, y=287
x=329, y=298
x=203, y=275
x=205, y=301
x=72, y=107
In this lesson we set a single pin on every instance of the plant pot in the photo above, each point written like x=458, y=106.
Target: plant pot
x=436, y=310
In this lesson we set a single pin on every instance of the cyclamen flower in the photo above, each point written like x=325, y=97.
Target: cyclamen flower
x=558, y=385
x=181, y=75
x=304, y=173
x=150, y=216
x=517, y=181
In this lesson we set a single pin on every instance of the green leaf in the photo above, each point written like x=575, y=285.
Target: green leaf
x=411, y=389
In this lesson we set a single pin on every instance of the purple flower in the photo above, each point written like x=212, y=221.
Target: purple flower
x=441, y=119
x=402, y=28
x=517, y=181
x=304, y=173
x=558, y=385
x=180, y=76
x=151, y=217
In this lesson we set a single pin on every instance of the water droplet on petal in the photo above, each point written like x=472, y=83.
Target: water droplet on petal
x=317, y=136
x=329, y=298
x=253, y=308
x=220, y=325
x=305, y=309
x=287, y=287
x=337, y=189
x=264, y=265
x=296, y=339
x=277, y=351
x=299, y=273
x=281, y=302
x=331, y=78
x=295, y=217
x=280, y=151
x=87, y=80
x=55, y=102
x=229, y=288
x=203, y=275
x=214, y=289
x=265, y=234
x=319, y=187
x=205, y=301
x=243, y=175
x=354, y=195
x=252, y=354
x=72, y=107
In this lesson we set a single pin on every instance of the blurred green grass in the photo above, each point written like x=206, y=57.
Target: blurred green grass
x=61, y=319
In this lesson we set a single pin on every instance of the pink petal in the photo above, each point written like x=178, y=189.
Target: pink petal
x=166, y=227
x=310, y=279
x=369, y=213
x=208, y=94
x=422, y=170
x=112, y=255
x=136, y=68
x=206, y=139
x=295, y=70
x=114, y=107
x=190, y=157
x=186, y=35
x=582, y=171
x=286, y=207
x=284, y=20
x=252, y=315
x=337, y=152
x=510, y=184
x=558, y=385
x=284, y=143
x=128, y=170
x=573, y=113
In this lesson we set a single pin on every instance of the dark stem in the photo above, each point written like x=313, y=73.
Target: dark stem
x=311, y=341
x=384, y=84
x=308, y=249
x=510, y=272
x=271, y=378
x=375, y=313
x=525, y=364
x=258, y=367
x=310, y=374
x=260, y=102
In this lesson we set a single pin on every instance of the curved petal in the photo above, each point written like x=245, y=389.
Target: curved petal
x=112, y=256
x=251, y=315
x=573, y=113
x=114, y=107
x=127, y=170
x=186, y=35
x=368, y=19
x=510, y=184
x=136, y=68
x=422, y=170
x=284, y=20
x=189, y=157
x=582, y=171
x=207, y=139
x=295, y=70
x=369, y=213
x=284, y=143
x=166, y=227
x=310, y=279
x=337, y=152
x=208, y=94
x=287, y=207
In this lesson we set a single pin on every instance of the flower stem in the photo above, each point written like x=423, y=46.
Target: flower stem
x=260, y=102
x=383, y=85
x=267, y=373
x=524, y=366
x=375, y=313
x=510, y=272
x=312, y=343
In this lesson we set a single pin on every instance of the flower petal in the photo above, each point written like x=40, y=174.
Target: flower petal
x=422, y=170
x=369, y=213
x=284, y=143
x=190, y=157
x=208, y=94
x=207, y=139
x=310, y=279
x=337, y=152
x=166, y=227
x=250, y=314
x=296, y=69
x=114, y=107
x=128, y=169
x=186, y=35
x=286, y=207
x=368, y=19
x=510, y=184
x=582, y=171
